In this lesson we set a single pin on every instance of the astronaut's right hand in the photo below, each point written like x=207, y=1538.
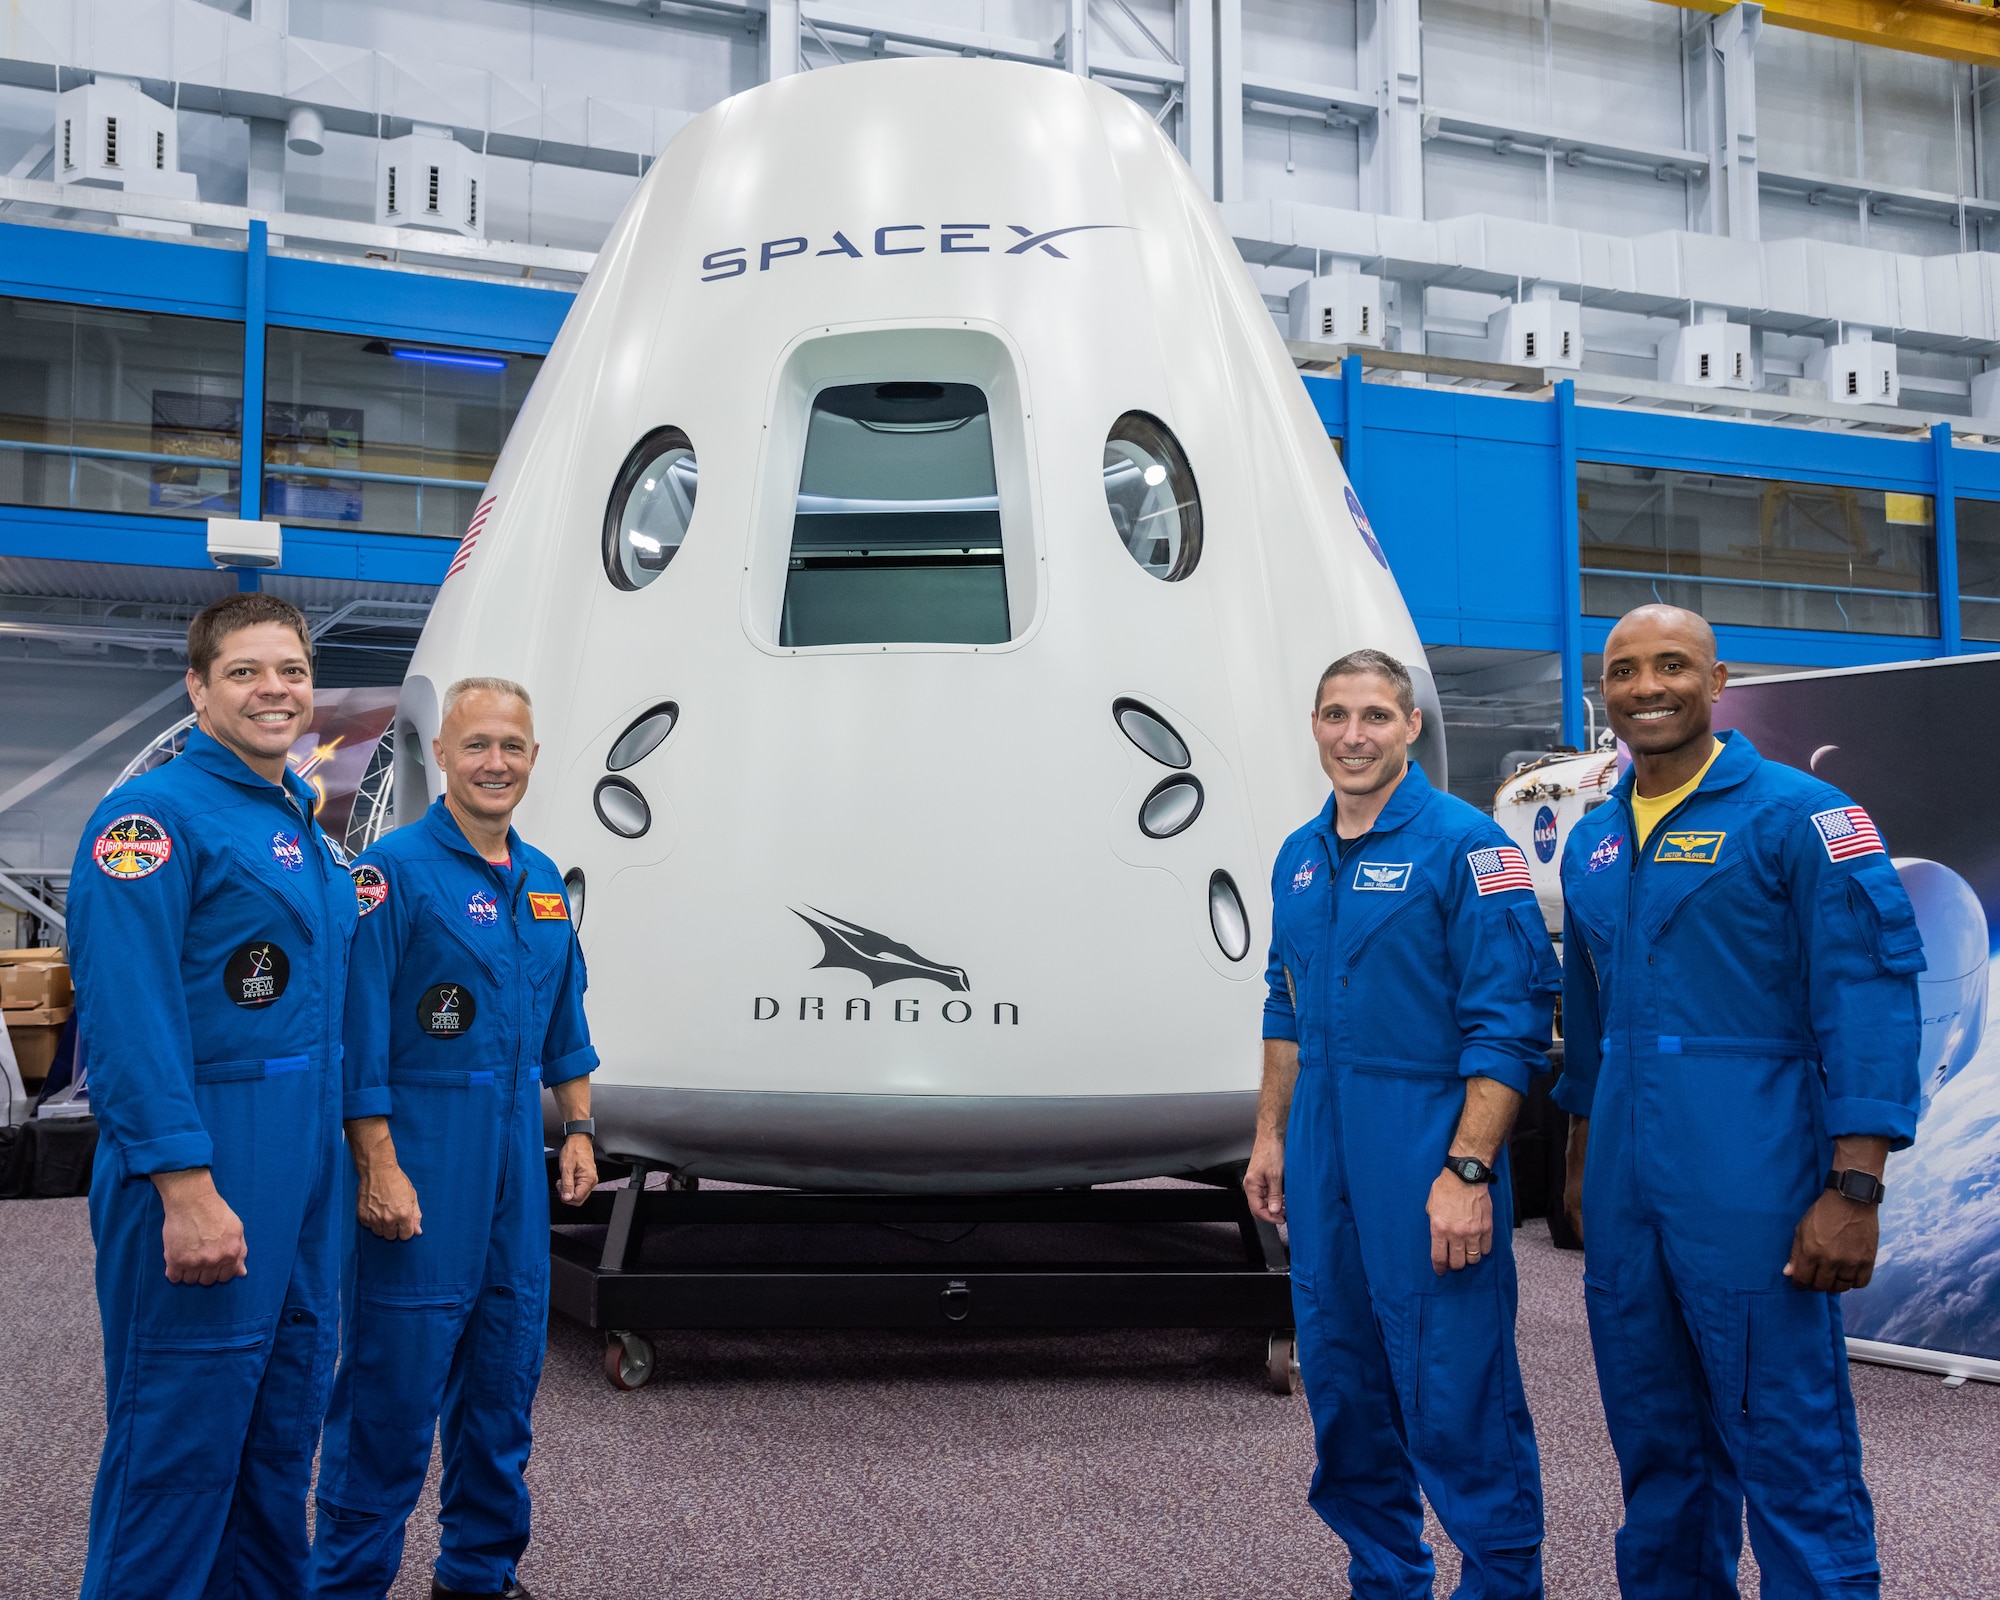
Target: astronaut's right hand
x=385, y=1200
x=1264, y=1179
x=201, y=1237
x=386, y=1203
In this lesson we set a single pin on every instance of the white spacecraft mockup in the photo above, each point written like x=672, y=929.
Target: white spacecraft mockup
x=1540, y=803
x=1952, y=989
x=921, y=552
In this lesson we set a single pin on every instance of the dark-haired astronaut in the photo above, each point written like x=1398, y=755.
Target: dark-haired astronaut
x=1411, y=988
x=209, y=921
x=466, y=1001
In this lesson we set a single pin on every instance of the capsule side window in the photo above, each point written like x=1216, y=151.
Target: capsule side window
x=651, y=505
x=1150, y=491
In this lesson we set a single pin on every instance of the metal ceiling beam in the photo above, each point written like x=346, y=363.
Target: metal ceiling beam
x=1946, y=29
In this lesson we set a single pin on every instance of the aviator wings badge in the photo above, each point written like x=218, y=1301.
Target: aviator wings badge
x=876, y=956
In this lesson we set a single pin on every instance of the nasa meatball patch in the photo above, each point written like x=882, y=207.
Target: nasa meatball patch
x=482, y=910
x=1302, y=880
x=135, y=846
x=1606, y=854
x=370, y=888
x=256, y=975
x=287, y=852
x=446, y=1011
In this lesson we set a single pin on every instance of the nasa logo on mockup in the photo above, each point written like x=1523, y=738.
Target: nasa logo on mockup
x=898, y=239
x=880, y=959
x=1545, y=834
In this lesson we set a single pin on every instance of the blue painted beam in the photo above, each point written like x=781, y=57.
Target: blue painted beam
x=1569, y=560
x=1944, y=522
x=145, y=541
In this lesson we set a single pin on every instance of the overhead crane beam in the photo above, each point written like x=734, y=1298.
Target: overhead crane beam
x=1951, y=30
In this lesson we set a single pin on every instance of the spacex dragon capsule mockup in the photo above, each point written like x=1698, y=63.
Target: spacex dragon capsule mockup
x=921, y=553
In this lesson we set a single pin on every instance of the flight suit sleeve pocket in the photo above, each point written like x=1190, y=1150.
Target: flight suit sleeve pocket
x=1888, y=924
x=1544, y=976
x=175, y=1447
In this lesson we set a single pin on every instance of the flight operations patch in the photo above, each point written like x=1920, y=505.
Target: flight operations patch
x=134, y=846
x=371, y=889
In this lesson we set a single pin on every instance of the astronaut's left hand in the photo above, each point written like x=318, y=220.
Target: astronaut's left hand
x=1461, y=1216
x=1833, y=1247
x=579, y=1170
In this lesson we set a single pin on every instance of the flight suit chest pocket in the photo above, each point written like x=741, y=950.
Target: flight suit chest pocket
x=1685, y=890
x=474, y=942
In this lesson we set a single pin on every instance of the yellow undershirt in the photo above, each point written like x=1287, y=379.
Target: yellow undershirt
x=1648, y=811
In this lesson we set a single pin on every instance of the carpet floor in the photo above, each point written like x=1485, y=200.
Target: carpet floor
x=806, y=1466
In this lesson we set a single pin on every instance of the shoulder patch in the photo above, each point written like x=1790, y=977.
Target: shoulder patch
x=134, y=846
x=1846, y=832
x=371, y=888
x=548, y=907
x=1498, y=868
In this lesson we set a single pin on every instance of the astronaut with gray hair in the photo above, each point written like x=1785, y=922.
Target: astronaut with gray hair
x=465, y=1000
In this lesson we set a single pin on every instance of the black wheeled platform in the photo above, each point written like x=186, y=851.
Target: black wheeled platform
x=683, y=1257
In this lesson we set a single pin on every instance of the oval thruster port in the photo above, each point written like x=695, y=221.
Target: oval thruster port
x=573, y=893
x=957, y=1302
x=1226, y=917
x=1171, y=807
x=645, y=736
x=622, y=808
x=1151, y=732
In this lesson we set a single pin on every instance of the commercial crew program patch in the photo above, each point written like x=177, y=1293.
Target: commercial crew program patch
x=1499, y=868
x=446, y=1011
x=548, y=907
x=371, y=889
x=1701, y=849
x=134, y=846
x=257, y=974
x=1847, y=832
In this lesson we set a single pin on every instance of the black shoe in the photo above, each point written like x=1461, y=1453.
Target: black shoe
x=513, y=1591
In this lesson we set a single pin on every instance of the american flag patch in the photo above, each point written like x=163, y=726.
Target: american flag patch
x=1847, y=832
x=471, y=538
x=1499, y=868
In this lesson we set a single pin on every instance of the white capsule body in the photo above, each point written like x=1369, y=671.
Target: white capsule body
x=1071, y=1014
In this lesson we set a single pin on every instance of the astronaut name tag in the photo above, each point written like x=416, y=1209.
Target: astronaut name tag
x=548, y=907
x=256, y=975
x=446, y=1011
x=1699, y=848
x=1389, y=877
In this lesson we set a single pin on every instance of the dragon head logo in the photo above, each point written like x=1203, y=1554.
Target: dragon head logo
x=876, y=956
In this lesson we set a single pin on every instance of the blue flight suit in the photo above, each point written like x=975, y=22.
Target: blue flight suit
x=1738, y=994
x=209, y=928
x=466, y=998
x=1400, y=979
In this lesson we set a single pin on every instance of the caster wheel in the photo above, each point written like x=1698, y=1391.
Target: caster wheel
x=1281, y=1364
x=628, y=1361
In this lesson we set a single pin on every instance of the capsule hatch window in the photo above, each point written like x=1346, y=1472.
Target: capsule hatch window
x=896, y=535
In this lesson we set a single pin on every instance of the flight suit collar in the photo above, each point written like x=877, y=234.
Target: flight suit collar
x=213, y=756
x=1737, y=761
x=445, y=829
x=1410, y=797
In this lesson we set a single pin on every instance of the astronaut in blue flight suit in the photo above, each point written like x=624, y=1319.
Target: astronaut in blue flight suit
x=209, y=922
x=466, y=1000
x=1741, y=1022
x=1411, y=989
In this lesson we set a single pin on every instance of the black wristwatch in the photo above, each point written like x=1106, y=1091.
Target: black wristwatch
x=586, y=1125
x=1470, y=1168
x=1864, y=1188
